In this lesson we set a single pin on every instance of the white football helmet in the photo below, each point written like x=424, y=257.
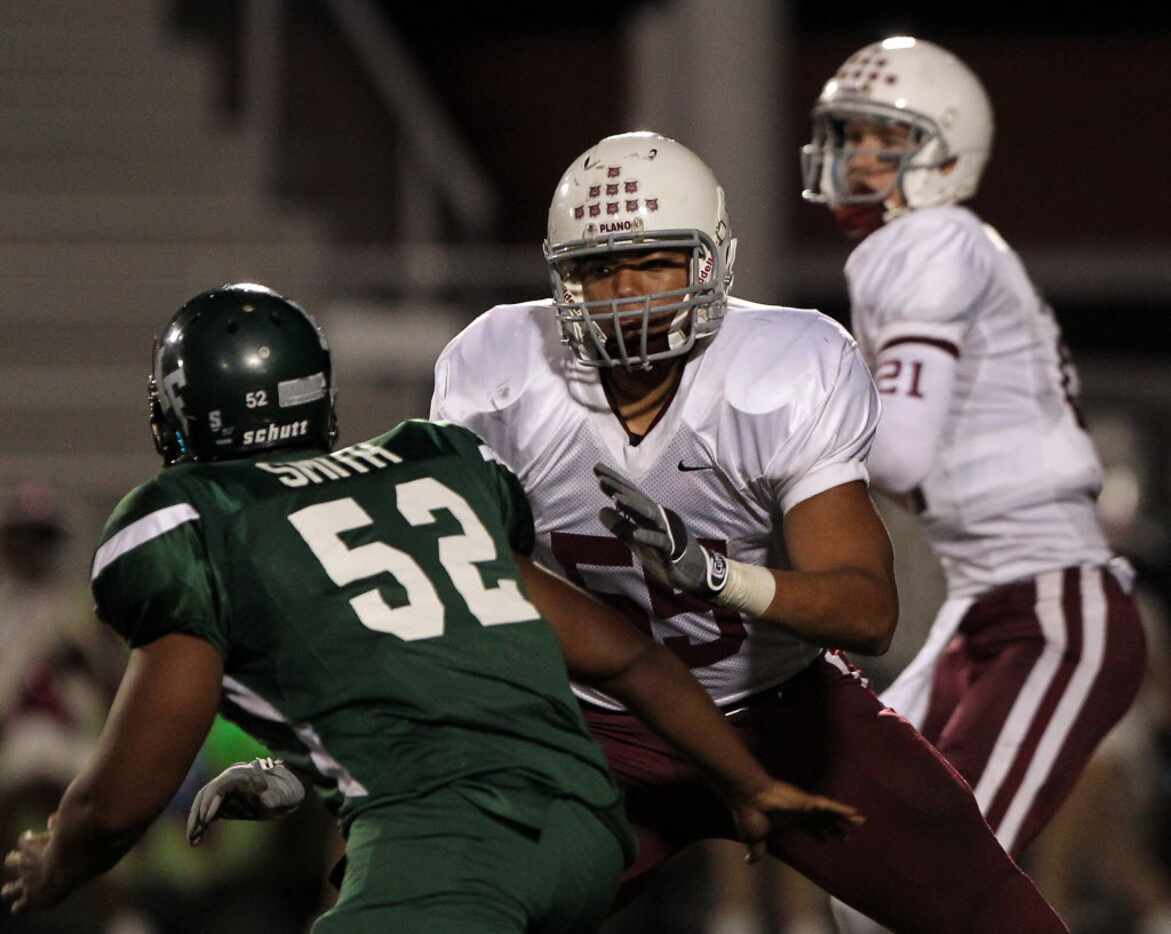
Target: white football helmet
x=638, y=192
x=912, y=82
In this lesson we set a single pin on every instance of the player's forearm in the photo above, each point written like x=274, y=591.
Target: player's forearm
x=846, y=608
x=659, y=689
x=83, y=843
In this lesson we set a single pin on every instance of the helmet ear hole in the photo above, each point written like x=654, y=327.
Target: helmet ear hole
x=233, y=327
x=168, y=439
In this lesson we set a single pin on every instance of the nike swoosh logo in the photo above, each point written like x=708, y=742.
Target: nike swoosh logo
x=684, y=467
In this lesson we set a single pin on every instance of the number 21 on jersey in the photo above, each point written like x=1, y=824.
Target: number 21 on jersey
x=891, y=377
x=422, y=616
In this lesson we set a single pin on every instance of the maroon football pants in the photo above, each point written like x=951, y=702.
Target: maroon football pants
x=925, y=861
x=1037, y=674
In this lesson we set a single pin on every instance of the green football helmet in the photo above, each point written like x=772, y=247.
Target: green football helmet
x=239, y=370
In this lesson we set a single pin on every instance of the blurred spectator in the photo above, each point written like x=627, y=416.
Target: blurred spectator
x=57, y=672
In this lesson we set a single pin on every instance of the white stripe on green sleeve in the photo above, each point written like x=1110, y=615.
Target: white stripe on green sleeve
x=140, y=532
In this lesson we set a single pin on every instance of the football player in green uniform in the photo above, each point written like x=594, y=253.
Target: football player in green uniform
x=370, y=614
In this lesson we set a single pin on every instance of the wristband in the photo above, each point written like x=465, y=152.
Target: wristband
x=749, y=588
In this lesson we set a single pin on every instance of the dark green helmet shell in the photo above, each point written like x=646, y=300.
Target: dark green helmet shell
x=239, y=370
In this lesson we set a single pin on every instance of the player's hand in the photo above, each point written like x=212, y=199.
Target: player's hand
x=781, y=806
x=660, y=539
x=27, y=886
x=258, y=790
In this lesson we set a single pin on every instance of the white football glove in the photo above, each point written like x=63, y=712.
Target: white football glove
x=258, y=790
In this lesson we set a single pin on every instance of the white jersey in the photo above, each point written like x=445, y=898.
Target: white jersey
x=777, y=407
x=1011, y=487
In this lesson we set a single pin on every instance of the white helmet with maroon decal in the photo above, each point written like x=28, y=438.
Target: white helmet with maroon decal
x=912, y=82
x=638, y=192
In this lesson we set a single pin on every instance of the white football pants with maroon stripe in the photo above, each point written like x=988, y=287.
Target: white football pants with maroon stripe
x=1016, y=687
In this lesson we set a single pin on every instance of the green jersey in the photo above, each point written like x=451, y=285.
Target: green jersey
x=370, y=616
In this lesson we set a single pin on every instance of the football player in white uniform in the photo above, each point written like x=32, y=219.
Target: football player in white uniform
x=733, y=523
x=1038, y=649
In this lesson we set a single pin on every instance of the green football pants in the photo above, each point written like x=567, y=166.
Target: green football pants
x=441, y=865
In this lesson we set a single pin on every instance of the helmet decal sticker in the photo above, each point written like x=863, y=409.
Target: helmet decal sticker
x=633, y=223
x=172, y=383
x=299, y=391
x=705, y=270
x=276, y=432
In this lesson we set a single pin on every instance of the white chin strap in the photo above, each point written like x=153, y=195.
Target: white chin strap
x=677, y=333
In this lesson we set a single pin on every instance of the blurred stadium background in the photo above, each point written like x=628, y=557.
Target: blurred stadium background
x=389, y=165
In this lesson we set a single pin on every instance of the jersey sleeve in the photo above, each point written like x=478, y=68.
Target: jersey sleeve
x=923, y=286
x=831, y=446
x=151, y=576
x=445, y=404
x=915, y=381
x=459, y=395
